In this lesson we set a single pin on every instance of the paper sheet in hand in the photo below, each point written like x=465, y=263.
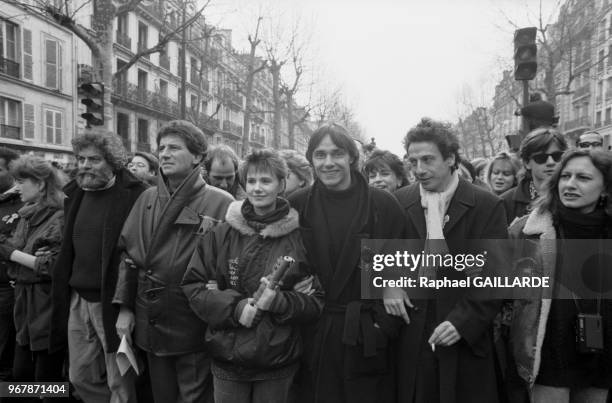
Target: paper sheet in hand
x=126, y=358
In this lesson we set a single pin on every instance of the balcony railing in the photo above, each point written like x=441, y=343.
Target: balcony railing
x=582, y=91
x=164, y=61
x=583, y=121
x=233, y=97
x=229, y=126
x=10, y=67
x=607, y=122
x=143, y=146
x=608, y=95
x=152, y=100
x=598, y=99
x=10, y=132
x=124, y=40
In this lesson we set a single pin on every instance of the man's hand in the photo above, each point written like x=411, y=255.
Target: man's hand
x=305, y=286
x=444, y=335
x=396, y=300
x=125, y=323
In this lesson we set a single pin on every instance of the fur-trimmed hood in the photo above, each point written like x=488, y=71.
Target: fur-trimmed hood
x=277, y=229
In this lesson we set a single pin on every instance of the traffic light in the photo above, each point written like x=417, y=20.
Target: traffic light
x=93, y=98
x=525, y=54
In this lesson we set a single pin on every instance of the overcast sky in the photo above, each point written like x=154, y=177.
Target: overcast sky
x=397, y=60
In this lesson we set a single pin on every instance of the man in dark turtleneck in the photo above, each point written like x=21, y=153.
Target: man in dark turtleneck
x=350, y=344
x=84, y=279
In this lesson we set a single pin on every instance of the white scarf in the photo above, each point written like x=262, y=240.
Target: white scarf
x=435, y=205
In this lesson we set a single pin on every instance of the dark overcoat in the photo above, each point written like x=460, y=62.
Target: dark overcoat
x=466, y=369
x=128, y=189
x=351, y=354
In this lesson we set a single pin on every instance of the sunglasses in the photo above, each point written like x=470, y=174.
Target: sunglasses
x=541, y=158
x=587, y=144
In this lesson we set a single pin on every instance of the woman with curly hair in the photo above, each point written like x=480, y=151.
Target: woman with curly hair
x=384, y=170
x=575, y=204
x=40, y=228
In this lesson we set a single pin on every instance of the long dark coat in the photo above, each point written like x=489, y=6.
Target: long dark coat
x=351, y=348
x=466, y=369
x=128, y=190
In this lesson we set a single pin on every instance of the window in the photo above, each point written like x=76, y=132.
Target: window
x=123, y=126
x=194, y=102
x=9, y=48
x=53, y=126
x=600, y=63
x=142, y=85
x=163, y=88
x=53, y=64
x=608, y=116
x=193, y=63
x=10, y=118
x=598, y=118
x=122, y=24
x=121, y=80
x=143, y=131
x=143, y=37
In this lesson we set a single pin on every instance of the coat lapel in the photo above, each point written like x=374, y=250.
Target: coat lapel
x=462, y=201
x=414, y=210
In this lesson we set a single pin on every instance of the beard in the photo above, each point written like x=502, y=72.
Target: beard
x=92, y=180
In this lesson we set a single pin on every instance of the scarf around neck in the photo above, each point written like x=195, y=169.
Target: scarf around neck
x=259, y=222
x=435, y=205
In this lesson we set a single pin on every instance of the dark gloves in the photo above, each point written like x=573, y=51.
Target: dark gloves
x=5, y=251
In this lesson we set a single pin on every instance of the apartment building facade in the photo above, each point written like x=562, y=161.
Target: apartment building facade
x=37, y=85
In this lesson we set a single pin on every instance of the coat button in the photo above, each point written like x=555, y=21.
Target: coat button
x=149, y=206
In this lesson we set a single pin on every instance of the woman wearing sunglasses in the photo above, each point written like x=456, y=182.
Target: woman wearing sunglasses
x=541, y=150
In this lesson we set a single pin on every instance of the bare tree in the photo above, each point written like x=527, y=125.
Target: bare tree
x=99, y=37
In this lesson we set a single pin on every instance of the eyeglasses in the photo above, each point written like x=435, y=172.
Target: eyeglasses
x=541, y=158
x=588, y=144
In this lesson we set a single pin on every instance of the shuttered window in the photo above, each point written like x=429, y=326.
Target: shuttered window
x=27, y=54
x=29, y=121
x=53, y=126
x=53, y=64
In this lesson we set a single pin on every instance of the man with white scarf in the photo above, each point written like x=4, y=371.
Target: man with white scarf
x=446, y=346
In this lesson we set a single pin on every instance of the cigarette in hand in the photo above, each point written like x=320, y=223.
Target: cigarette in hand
x=433, y=347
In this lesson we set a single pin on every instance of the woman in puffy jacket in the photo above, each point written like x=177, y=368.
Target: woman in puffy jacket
x=253, y=337
x=40, y=228
x=573, y=215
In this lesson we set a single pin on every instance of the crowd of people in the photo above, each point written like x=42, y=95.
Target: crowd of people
x=239, y=280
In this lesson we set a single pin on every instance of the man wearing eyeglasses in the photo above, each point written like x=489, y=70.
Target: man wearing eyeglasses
x=590, y=139
x=540, y=151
